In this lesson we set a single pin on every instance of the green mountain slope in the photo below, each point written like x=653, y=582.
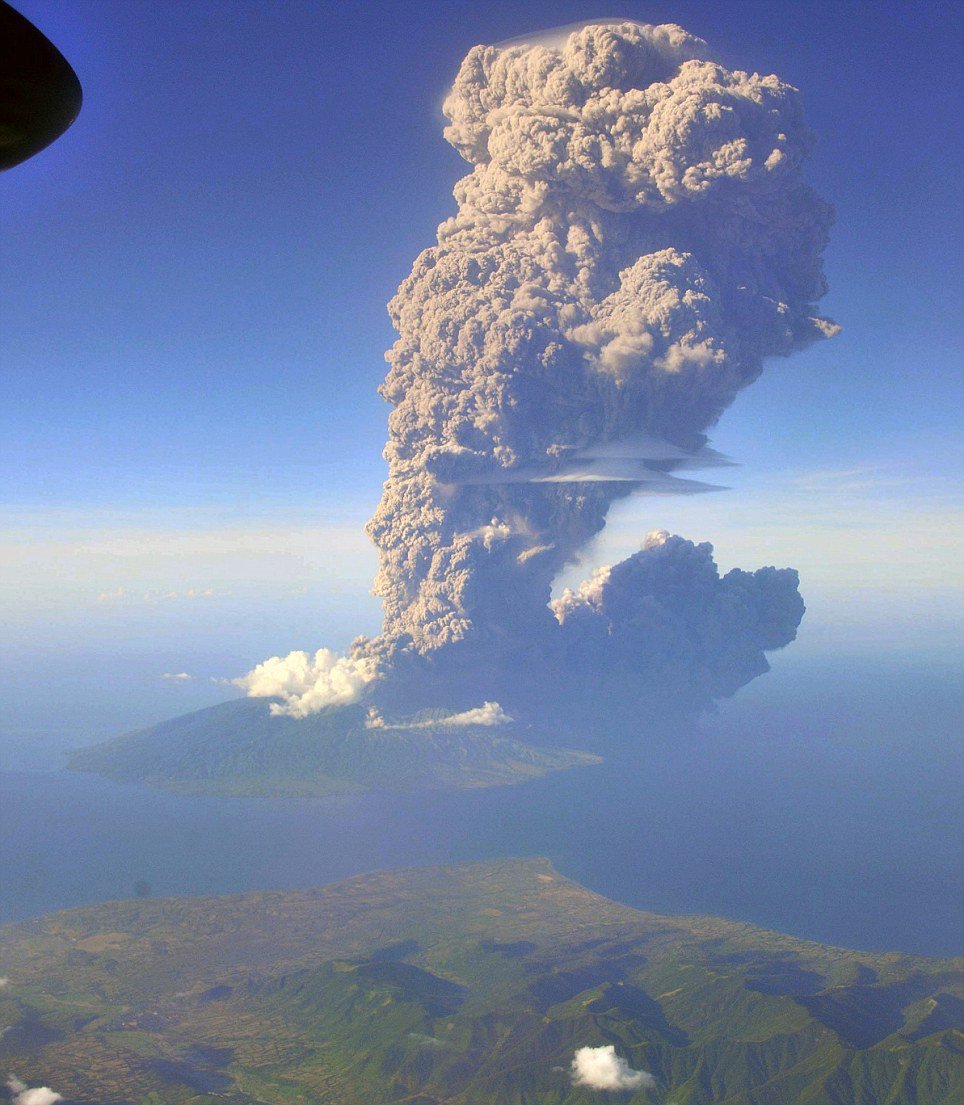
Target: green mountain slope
x=463, y=986
x=239, y=748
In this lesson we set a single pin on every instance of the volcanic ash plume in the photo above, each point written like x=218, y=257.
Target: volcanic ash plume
x=634, y=237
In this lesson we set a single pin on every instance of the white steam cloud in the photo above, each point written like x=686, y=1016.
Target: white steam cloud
x=488, y=714
x=39, y=1095
x=633, y=239
x=307, y=684
x=600, y=1068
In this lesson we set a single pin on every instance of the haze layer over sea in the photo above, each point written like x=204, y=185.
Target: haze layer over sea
x=822, y=801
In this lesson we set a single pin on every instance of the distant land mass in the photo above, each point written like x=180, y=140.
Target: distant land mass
x=239, y=748
x=467, y=985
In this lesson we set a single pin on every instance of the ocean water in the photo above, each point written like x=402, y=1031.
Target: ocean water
x=823, y=801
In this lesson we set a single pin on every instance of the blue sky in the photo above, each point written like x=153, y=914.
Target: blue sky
x=193, y=286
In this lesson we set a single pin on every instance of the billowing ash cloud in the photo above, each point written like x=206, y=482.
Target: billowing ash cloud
x=600, y=1068
x=666, y=614
x=39, y=1095
x=634, y=237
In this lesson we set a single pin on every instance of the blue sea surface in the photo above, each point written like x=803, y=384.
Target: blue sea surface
x=822, y=801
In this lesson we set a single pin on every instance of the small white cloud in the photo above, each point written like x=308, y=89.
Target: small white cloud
x=4, y=981
x=178, y=676
x=39, y=1095
x=112, y=596
x=600, y=1068
x=489, y=713
x=307, y=684
x=427, y=1041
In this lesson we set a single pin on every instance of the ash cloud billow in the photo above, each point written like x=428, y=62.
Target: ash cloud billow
x=666, y=613
x=633, y=239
